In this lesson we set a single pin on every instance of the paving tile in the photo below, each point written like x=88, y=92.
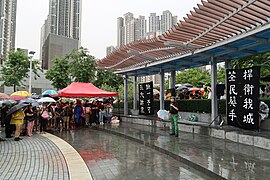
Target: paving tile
x=33, y=157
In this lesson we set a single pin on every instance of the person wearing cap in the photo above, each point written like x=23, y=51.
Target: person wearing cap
x=173, y=116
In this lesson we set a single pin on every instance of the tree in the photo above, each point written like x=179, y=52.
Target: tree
x=130, y=92
x=83, y=65
x=193, y=76
x=105, y=77
x=16, y=68
x=221, y=74
x=262, y=60
x=59, y=73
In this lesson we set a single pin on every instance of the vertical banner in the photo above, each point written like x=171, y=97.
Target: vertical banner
x=243, y=97
x=146, y=98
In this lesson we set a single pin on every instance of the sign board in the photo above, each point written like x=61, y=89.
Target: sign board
x=243, y=89
x=146, y=98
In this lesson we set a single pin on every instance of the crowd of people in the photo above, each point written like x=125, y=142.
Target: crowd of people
x=57, y=116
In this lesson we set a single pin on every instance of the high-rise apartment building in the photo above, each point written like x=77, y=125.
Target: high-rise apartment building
x=109, y=50
x=120, y=32
x=167, y=21
x=61, y=32
x=154, y=23
x=140, y=28
x=8, y=10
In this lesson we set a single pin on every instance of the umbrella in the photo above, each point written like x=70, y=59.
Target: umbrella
x=35, y=96
x=266, y=78
x=4, y=96
x=7, y=102
x=15, y=108
x=155, y=91
x=194, y=89
x=50, y=92
x=163, y=114
x=21, y=93
x=182, y=87
x=46, y=99
x=29, y=101
x=17, y=98
x=188, y=85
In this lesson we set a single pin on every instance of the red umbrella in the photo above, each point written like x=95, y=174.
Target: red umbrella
x=17, y=98
x=4, y=96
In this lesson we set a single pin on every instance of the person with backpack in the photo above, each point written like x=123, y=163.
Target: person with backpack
x=44, y=119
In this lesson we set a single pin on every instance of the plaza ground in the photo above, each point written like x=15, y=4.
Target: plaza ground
x=130, y=151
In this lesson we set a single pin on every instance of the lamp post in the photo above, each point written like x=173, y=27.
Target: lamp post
x=31, y=55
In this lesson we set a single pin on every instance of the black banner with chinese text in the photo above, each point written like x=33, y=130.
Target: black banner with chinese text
x=146, y=98
x=243, y=97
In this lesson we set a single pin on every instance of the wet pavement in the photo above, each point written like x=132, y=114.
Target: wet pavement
x=226, y=159
x=113, y=157
x=33, y=157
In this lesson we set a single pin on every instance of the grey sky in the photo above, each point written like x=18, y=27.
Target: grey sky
x=98, y=20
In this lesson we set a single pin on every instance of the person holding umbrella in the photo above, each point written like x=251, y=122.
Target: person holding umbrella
x=17, y=118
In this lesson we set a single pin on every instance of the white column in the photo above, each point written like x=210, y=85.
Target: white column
x=162, y=92
x=125, y=95
x=135, y=93
x=214, y=102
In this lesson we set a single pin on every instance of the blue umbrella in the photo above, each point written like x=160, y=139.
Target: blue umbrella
x=49, y=92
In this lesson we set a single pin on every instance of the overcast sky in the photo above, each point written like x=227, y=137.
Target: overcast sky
x=98, y=20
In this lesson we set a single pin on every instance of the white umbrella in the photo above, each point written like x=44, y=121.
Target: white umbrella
x=46, y=99
x=163, y=114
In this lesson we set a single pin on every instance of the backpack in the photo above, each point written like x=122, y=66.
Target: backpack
x=45, y=114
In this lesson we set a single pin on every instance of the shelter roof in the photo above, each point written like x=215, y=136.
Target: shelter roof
x=223, y=29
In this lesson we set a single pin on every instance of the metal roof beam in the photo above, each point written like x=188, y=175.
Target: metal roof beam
x=233, y=48
x=260, y=39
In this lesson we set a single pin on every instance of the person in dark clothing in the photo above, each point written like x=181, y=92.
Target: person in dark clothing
x=8, y=126
x=174, y=117
x=94, y=114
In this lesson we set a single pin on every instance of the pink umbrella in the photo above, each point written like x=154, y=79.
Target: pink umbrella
x=4, y=96
x=17, y=98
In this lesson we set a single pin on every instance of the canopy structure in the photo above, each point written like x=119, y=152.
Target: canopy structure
x=80, y=89
x=220, y=29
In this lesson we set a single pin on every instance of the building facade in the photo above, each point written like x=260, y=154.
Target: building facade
x=167, y=21
x=8, y=10
x=64, y=24
x=109, y=50
x=154, y=23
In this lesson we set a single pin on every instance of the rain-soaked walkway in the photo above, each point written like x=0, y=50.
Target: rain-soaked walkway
x=212, y=156
x=113, y=157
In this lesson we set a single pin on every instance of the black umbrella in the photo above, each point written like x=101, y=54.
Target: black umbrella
x=16, y=108
x=266, y=78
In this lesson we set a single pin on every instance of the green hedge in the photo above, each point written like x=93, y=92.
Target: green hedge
x=195, y=105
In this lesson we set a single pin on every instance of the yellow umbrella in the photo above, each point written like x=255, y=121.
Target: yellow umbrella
x=21, y=93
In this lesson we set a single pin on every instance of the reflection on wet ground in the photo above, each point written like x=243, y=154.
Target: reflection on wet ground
x=113, y=157
x=227, y=159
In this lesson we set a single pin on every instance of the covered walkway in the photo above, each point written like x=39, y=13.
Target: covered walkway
x=215, y=31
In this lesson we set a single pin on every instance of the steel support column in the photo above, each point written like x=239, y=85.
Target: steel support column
x=162, y=91
x=125, y=95
x=214, y=102
x=172, y=80
x=135, y=93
